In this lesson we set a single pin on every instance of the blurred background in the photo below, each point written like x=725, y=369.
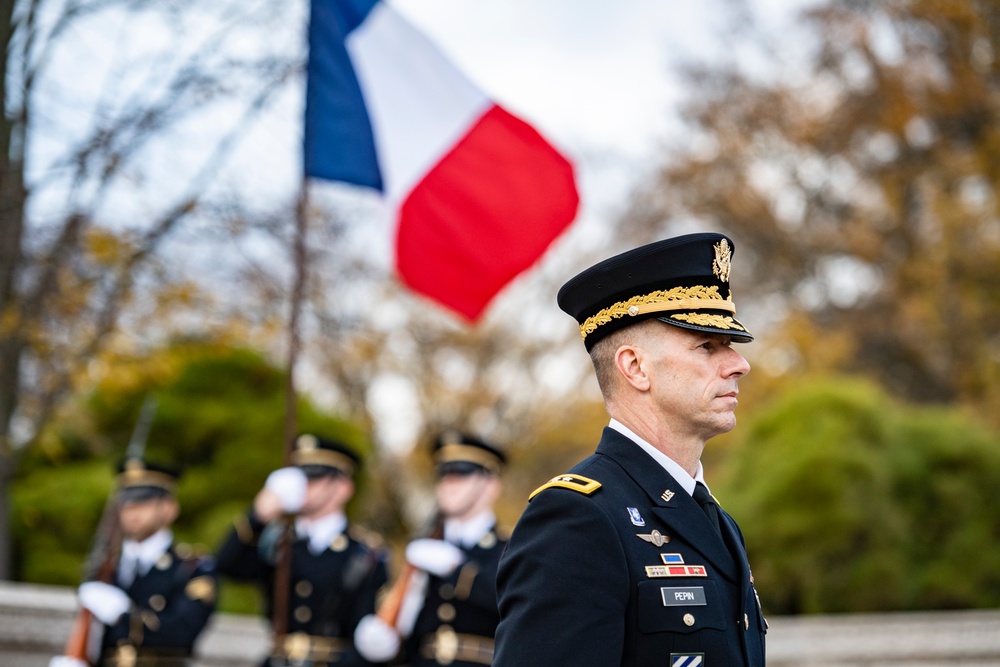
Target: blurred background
x=851, y=148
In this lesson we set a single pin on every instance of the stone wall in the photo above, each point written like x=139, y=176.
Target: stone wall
x=35, y=621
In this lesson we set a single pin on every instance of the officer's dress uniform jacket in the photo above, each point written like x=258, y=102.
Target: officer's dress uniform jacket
x=630, y=572
x=171, y=604
x=458, y=621
x=331, y=590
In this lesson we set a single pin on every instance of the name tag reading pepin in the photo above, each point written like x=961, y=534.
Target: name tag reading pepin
x=691, y=596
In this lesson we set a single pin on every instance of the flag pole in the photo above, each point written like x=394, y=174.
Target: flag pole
x=283, y=574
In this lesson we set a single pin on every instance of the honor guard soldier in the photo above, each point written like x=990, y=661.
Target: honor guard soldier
x=627, y=559
x=335, y=569
x=161, y=595
x=448, y=614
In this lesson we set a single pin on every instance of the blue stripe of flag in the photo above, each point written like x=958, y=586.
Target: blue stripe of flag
x=339, y=144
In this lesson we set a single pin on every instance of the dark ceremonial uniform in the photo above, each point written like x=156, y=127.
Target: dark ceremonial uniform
x=330, y=592
x=459, y=617
x=332, y=586
x=615, y=563
x=171, y=598
x=172, y=603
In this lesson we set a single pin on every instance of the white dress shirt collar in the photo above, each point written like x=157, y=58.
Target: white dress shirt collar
x=468, y=533
x=145, y=554
x=321, y=531
x=668, y=464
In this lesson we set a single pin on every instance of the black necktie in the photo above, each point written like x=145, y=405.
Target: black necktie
x=704, y=498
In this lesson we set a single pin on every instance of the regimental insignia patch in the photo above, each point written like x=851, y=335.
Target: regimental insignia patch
x=637, y=519
x=656, y=538
x=659, y=571
x=578, y=483
x=687, y=660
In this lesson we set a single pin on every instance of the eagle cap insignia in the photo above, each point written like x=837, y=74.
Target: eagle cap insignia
x=723, y=260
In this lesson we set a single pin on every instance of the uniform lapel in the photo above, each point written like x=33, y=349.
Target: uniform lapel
x=670, y=502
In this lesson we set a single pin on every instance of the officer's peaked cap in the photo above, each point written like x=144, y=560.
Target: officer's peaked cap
x=139, y=480
x=318, y=456
x=462, y=453
x=683, y=281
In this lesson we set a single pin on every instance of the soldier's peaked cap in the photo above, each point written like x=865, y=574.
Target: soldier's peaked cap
x=139, y=480
x=683, y=281
x=462, y=453
x=318, y=456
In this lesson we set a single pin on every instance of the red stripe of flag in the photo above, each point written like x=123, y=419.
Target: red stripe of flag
x=486, y=212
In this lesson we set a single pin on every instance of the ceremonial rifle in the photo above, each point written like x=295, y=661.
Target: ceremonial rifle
x=102, y=561
x=392, y=603
x=283, y=549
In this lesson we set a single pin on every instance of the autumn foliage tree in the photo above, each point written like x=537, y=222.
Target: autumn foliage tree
x=852, y=501
x=86, y=206
x=860, y=180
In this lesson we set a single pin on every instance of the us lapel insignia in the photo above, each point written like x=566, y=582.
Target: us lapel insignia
x=656, y=538
x=667, y=495
x=637, y=519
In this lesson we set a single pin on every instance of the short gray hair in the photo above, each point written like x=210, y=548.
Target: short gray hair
x=602, y=355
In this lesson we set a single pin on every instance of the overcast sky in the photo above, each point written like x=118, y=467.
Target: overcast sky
x=593, y=76
x=596, y=78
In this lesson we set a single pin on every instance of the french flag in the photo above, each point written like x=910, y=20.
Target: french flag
x=478, y=194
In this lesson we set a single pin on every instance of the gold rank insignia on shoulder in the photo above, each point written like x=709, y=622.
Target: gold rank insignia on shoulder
x=577, y=483
x=201, y=588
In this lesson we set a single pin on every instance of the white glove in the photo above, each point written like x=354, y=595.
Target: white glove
x=289, y=484
x=435, y=556
x=375, y=640
x=66, y=661
x=104, y=601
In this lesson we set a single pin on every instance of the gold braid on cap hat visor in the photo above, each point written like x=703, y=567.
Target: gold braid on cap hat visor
x=323, y=457
x=698, y=297
x=141, y=477
x=469, y=454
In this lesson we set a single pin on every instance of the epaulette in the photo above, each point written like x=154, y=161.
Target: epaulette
x=189, y=552
x=369, y=538
x=244, y=531
x=202, y=588
x=578, y=483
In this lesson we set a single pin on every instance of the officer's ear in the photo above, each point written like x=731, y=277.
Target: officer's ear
x=630, y=363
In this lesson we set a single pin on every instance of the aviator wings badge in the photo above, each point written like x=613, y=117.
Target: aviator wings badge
x=656, y=538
